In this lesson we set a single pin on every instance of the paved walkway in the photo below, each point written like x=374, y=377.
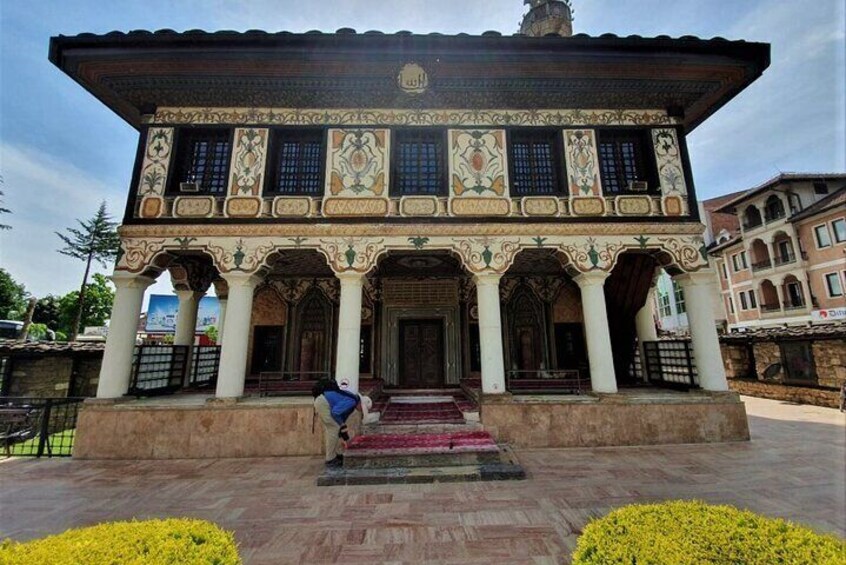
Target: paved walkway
x=792, y=468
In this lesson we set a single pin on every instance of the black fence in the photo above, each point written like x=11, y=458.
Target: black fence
x=158, y=369
x=35, y=427
x=547, y=382
x=670, y=363
x=205, y=365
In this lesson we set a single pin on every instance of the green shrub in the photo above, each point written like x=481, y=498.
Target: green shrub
x=688, y=532
x=173, y=541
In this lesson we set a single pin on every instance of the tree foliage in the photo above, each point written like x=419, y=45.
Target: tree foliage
x=3, y=209
x=96, y=240
x=48, y=311
x=97, y=307
x=12, y=297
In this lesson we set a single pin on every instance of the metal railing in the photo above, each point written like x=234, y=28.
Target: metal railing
x=158, y=369
x=770, y=308
x=671, y=363
x=567, y=381
x=785, y=259
x=34, y=427
x=788, y=306
x=282, y=383
x=205, y=365
x=761, y=265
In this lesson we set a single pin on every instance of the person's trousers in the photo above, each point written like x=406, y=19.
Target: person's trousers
x=330, y=427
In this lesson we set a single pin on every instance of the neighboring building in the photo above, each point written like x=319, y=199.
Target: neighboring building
x=431, y=211
x=788, y=263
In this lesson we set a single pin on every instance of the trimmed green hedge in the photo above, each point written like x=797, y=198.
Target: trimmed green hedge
x=691, y=532
x=173, y=541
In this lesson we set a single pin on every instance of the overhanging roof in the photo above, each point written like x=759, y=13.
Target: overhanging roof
x=730, y=207
x=135, y=72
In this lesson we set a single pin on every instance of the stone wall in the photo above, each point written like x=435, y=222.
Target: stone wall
x=788, y=393
x=830, y=359
x=606, y=422
x=49, y=376
x=736, y=360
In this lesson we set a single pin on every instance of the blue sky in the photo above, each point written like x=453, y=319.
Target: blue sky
x=61, y=151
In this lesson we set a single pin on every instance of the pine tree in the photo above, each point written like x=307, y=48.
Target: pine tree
x=3, y=210
x=96, y=241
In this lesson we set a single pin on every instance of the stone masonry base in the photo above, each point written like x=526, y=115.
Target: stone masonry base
x=790, y=393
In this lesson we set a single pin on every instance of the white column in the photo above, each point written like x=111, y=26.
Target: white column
x=703, y=331
x=645, y=325
x=349, y=329
x=490, y=333
x=600, y=354
x=221, y=318
x=186, y=317
x=116, y=368
x=233, y=354
x=780, y=293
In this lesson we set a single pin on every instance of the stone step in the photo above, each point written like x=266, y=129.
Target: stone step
x=454, y=448
x=507, y=469
x=422, y=428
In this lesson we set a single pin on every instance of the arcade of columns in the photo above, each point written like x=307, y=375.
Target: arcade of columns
x=239, y=264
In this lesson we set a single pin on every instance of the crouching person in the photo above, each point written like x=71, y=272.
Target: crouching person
x=334, y=407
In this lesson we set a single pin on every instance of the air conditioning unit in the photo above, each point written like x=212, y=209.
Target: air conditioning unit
x=638, y=186
x=193, y=186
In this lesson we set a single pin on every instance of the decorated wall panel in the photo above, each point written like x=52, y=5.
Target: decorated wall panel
x=477, y=164
x=357, y=163
x=154, y=168
x=581, y=155
x=669, y=162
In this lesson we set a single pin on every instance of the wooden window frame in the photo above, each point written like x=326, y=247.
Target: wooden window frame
x=817, y=242
x=644, y=161
x=557, y=160
x=835, y=240
x=828, y=288
x=278, y=136
x=397, y=136
x=181, y=164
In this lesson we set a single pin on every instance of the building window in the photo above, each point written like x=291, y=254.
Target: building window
x=739, y=261
x=664, y=307
x=202, y=161
x=820, y=188
x=743, y=304
x=753, y=300
x=678, y=294
x=731, y=305
x=832, y=283
x=418, y=162
x=534, y=163
x=296, y=157
x=622, y=161
x=839, y=229
x=724, y=270
x=822, y=236
x=774, y=208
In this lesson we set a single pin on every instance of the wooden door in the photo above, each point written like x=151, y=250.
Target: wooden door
x=421, y=360
x=267, y=349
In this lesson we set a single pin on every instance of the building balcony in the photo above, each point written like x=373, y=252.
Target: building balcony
x=785, y=259
x=769, y=218
x=761, y=266
x=793, y=307
x=769, y=308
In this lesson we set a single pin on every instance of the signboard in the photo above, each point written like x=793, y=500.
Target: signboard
x=829, y=314
x=161, y=314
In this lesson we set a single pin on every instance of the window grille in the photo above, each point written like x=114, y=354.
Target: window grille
x=418, y=162
x=296, y=160
x=203, y=158
x=534, y=166
x=621, y=161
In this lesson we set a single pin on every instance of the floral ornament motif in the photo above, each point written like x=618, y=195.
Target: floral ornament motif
x=156, y=162
x=688, y=252
x=418, y=242
x=358, y=162
x=582, y=162
x=478, y=162
x=184, y=242
x=642, y=240
x=668, y=157
x=239, y=258
x=593, y=255
x=539, y=241
x=138, y=254
x=351, y=254
x=248, y=161
x=480, y=254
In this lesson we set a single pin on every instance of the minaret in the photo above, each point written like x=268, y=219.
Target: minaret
x=548, y=17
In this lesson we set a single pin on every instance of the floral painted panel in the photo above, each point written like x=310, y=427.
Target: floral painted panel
x=477, y=163
x=357, y=162
x=582, y=162
x=668, y=158
x=153, y=177
x=248, y=160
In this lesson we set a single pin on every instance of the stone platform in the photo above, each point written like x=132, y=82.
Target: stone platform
x=459, y=456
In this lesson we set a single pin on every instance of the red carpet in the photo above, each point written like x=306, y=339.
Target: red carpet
x=423, y=443
x=429, y=412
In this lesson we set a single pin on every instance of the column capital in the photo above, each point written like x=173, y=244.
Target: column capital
x=351, y=277
x=487, y=278
x=703, y=277
x=591, y=278
x=124, y=279
x=241, y=279
x=189, y=294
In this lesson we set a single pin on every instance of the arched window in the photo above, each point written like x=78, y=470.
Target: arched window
x=526, y=329
x=774, y=208
x=751, y=217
